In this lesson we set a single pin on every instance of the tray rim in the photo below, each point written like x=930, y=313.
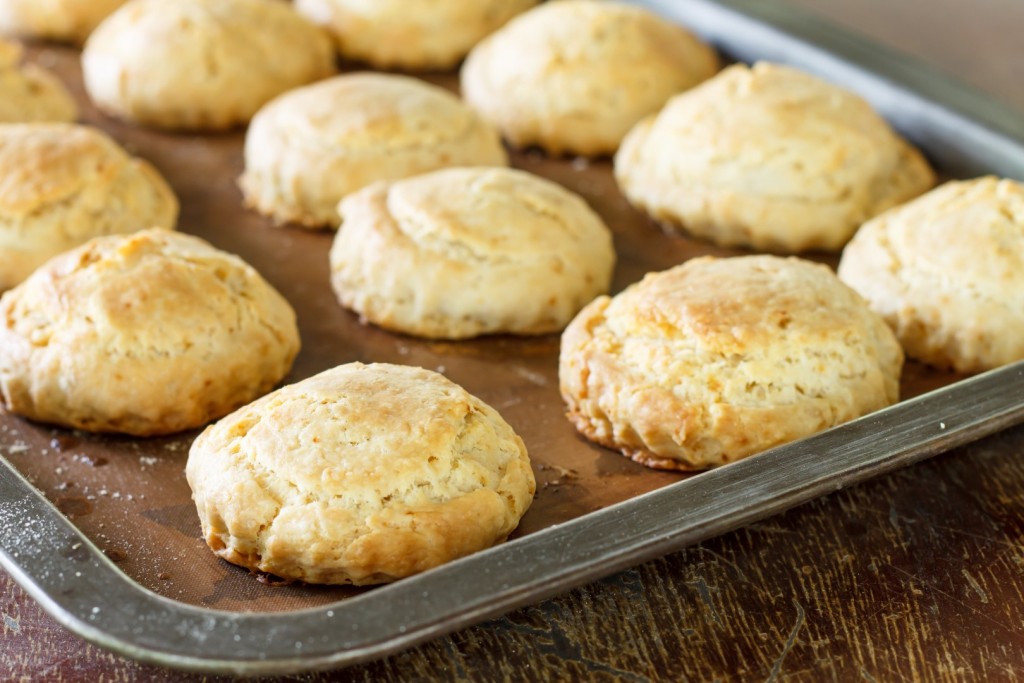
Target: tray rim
x=66, y=573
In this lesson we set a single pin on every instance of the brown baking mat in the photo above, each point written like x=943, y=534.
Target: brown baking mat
x=129, y=496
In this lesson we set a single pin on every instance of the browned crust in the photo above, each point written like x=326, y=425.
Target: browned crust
x=640, y=455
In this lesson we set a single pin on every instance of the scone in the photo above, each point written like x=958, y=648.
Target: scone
x=946, y=271
x=362, y=474
x=462, y=252
x=62, y=20
x=770, y=158
x=717, y=359
x=63, y=184
x=201, y=65
x=410, y=34
x=573, y=77
x=142, y=334
x=29, y=93
x=309, y=148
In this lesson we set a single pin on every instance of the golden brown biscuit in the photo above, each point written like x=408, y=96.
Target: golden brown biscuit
x=142, y=334
x=61, y=185
x=769, y=158
x=573, y=77
x=410, y=34
x=29, y=93
x=946, y=271
x=468, y=251
x=718, y=359
x=362, y=474
x=201, y=65
x=62, y=20
x=311, y=147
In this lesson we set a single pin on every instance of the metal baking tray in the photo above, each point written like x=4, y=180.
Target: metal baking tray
x=101, y=532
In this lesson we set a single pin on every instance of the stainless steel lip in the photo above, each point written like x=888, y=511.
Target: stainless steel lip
x=964, y=132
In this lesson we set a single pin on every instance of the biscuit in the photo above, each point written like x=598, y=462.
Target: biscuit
x=362, y=474
x=201, y=65
x=769, y=158
x=573, y=77
x=143, y=334
x=63, y=184
x=29, y=93
x=62, y=20
x=309, y=148
x=946, y=271
x=404, y=34
x=469, y=251
x=718, y=359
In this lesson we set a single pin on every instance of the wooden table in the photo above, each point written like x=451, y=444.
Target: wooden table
x=918, y=575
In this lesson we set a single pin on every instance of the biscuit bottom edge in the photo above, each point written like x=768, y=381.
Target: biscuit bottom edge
x=637, y=454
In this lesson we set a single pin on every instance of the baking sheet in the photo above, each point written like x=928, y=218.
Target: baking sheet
x=129, y=497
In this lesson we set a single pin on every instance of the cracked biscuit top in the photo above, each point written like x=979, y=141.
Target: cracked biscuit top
x=946, y=271
x=63, y=184
x=142, y=334
x=201, y=65
x=308, y=149
x=572, y=77
x=768, y=157
x=469, y=251
x=362, y=474
x=718, y=359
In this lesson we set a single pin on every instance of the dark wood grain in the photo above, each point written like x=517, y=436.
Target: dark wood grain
x=916, y=576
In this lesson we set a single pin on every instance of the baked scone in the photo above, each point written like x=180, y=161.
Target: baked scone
x=29, y=93
x=201, y=65
x=63, y=184
x=309, y=148
x=462, y=252
x=946, y=271
x=362, y=474
x=574, y=76
x=61, y=20
x=142, y=334
x=410, y=34
x=770, y=158
x=717, y=359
